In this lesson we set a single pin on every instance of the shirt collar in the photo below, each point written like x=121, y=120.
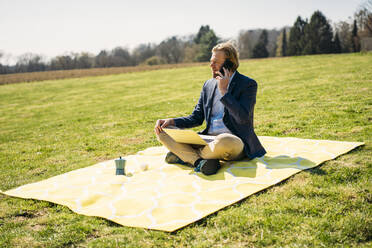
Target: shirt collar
x=232, y=77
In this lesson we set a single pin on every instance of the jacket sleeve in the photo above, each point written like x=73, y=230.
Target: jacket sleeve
x=241, y=109
x=195, y=119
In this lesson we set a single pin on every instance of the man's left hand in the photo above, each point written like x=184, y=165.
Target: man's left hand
x=223, y=81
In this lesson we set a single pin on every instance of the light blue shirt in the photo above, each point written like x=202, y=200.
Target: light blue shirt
x=216, y=123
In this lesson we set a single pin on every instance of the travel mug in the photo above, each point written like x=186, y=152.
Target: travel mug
x=120, y=166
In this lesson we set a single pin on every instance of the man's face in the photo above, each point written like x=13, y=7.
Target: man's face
x=216, y=62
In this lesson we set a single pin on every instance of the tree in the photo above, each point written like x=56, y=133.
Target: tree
x=84, y=61
x=271, y=46
x=120, y=57
x=203, y=30
x=2, y=68
x=337, y=44
x=171, y=50
x=64, y=62
x=246, y=41
x=259, y=50
x=281, y=44
x=284, y=43
x=206, y=42
x=364, y=19
x=355, y=38
x=100, y=59
x=191, y=52
x=30, y=62
x=343, y=29
x=318, y=35
x=143, y=52
x=296, y=37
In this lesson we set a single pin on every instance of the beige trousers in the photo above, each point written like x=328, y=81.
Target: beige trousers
x=225, y=147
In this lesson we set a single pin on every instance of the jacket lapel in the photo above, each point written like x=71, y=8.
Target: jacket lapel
x=210, y=101
x=233, y=82
x=231, y=87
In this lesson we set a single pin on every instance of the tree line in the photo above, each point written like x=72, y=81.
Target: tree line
x=193, y=48
x=314, y=36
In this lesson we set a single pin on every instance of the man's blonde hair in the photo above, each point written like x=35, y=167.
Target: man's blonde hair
x=229, y=51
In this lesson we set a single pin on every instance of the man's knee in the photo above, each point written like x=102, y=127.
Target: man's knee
x=228, y=143
x=228, y=140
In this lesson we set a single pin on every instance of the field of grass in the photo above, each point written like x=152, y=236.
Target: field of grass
x=52, y=127
x=78, y=73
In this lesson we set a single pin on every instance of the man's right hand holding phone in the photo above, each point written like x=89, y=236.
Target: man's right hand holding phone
x=223, y=77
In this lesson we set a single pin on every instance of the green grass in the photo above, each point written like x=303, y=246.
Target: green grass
x=51, y=127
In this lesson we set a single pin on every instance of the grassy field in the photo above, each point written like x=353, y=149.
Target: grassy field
x=51, y=127
x=78, y=73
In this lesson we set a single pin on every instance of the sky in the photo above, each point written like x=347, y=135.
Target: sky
x=56, y=27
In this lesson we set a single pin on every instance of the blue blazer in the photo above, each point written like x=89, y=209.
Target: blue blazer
x=239, y=102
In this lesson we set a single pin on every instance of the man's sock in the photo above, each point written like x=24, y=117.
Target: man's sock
x=197, y=162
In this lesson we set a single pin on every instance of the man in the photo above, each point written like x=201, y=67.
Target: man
x=226, y=103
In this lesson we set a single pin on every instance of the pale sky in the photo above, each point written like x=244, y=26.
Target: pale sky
x=51, y=27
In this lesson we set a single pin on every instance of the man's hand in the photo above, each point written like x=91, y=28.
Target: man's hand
x=223, y=81
x=162, y=123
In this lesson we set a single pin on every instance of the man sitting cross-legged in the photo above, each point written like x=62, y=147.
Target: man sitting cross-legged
x=226, y=103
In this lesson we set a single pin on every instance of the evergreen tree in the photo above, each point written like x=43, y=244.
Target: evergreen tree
x=355, y=38
x=206, y=42
x=284, y=43
x=337, y=44
x=318, y=35
x=296, y=37
x=203, y=30
x=259, y=50
x=101, y=60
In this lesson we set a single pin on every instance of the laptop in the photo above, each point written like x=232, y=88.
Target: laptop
x=188, y=136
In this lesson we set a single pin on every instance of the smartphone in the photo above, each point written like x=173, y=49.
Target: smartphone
x=228, y=66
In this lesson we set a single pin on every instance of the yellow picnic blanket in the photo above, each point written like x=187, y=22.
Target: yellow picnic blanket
x=168, y=197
